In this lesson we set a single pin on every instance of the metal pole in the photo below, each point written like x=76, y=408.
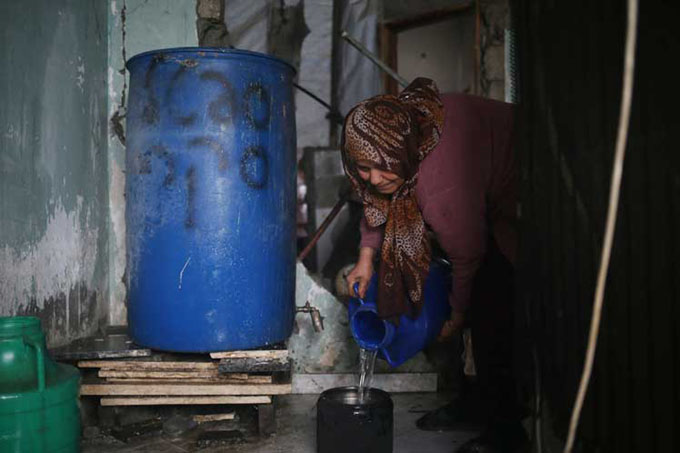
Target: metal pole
x=317, y=235
x=360, y=47
x=333, y=115
x=314, y=96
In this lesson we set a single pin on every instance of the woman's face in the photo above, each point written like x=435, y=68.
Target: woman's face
x=382, y=181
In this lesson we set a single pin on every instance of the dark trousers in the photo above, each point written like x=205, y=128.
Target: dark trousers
x=490, y=318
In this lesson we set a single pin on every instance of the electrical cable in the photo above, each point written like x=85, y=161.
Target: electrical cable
x=614, y=192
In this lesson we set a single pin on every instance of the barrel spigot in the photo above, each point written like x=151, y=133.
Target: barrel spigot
x=314, y=313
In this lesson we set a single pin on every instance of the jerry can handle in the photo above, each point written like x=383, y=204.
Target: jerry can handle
x=39, y=359
x=356, y=293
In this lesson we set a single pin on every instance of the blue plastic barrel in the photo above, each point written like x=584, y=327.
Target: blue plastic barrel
x=210, y=198
x=398, y=344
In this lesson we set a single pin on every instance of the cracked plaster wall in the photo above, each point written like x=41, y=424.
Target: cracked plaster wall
x=53, y=166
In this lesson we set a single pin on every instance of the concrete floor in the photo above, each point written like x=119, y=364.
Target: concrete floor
x=296, y=428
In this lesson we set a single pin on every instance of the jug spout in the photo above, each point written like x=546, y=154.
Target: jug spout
x=369, y=331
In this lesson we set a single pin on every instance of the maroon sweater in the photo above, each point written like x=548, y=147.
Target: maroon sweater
x=466, y=187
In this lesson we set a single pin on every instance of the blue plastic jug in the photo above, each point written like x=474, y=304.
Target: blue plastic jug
x=398, y=344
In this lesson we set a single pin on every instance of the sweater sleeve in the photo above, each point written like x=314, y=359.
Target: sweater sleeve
x=457, y=218
x=371, y=236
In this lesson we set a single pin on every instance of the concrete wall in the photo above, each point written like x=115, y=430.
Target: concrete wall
x=53, y=165
x=442, y=51
x=134, y=26
x=495, y=18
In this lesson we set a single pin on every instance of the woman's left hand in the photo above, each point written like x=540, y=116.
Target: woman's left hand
x=451, y=326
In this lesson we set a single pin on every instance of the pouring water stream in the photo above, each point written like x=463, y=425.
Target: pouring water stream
x=366, y=366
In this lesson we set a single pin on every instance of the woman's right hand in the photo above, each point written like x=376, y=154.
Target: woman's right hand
x=362, y=272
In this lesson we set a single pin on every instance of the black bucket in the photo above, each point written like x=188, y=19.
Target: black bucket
x=345, y=425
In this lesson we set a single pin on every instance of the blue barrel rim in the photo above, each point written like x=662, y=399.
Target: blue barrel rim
x=214, y=51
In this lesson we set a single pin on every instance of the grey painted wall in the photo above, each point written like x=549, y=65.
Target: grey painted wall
x=53, y=165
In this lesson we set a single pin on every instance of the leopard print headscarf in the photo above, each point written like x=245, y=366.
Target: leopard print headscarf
x=396, y=133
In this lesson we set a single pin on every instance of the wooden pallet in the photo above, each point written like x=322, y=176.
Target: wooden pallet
x=165, y=378
x=181, y=389
x=182, y=400
x=225, y=378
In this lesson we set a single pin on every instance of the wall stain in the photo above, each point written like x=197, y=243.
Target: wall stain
x=116, y=120
x=65, y=316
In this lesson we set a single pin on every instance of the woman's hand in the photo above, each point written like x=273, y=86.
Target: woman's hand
x=452, y=326
x=362, y=272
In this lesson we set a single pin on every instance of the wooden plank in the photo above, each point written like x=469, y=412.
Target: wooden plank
x=113, y=346
x=142, y=365
x=253, y=365
x=184, y=390
x=169, y=374
x=265, y=354
x=213, y=417
x=183, y=400
x=135, y=381
x=215, y=380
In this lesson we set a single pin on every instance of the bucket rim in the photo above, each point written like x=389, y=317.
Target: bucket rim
x=215, y=51
x=376, y=396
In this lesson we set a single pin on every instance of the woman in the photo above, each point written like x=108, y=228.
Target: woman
x=422, y=164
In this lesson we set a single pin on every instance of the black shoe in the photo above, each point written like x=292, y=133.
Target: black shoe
x=454, y=416
x=507, y=438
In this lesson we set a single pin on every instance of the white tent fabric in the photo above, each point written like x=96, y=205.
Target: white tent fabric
x=359, y=77
x=247, y=23
x=313, y=128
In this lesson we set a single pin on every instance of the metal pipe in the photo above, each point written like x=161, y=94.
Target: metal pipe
x=327, y=221
x=333, y=115
x=314, y=96
x=367, y=53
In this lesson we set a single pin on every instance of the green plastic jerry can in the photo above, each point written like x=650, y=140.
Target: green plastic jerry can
x=38, y=397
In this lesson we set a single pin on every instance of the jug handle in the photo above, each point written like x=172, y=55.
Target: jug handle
x=356, y=293
x=39, y=359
